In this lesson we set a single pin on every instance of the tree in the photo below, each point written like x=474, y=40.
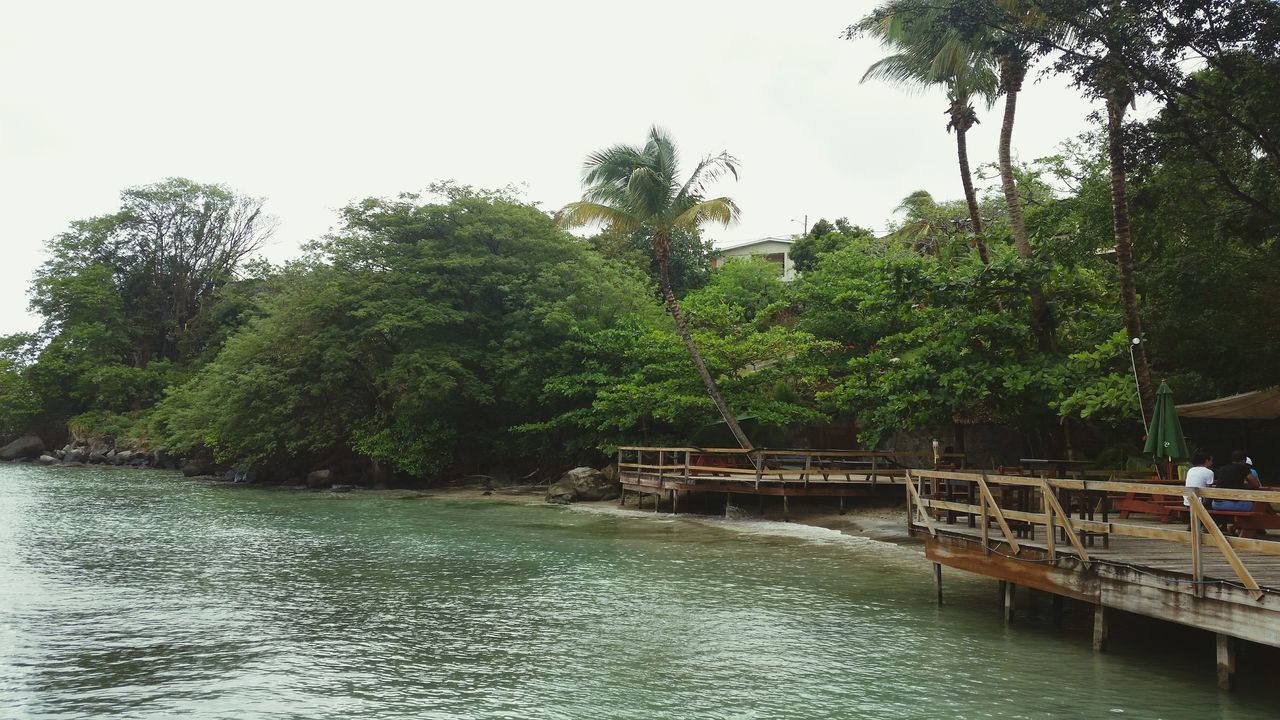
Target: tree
x=688, y=265
x=414, y=340
x=160, y=258
x=824, y=237
x=632, y=187
x=929, y=53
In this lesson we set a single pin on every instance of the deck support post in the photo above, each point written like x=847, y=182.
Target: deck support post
x=1226, y=661
x=786, y=508
x=1100, y=630
x=727, y=496
x=937, y=580
x=841, y=504
x=1010, y=596
x=675, y=502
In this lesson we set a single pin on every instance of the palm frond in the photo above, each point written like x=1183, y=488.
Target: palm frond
x=578, y=214
x=721, y=210
x=708, y=170
x=900, y=69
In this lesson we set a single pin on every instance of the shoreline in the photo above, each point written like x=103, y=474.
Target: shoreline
x=872, y=521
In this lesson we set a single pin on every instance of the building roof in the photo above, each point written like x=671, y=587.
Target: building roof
x=758, y=241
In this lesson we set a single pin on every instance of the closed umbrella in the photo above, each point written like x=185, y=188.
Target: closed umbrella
x=1164, y=437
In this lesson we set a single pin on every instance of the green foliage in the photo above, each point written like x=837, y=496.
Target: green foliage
x=824, y=237
x=634, y=383
x=689, y=260
x=131, y=429
x=417, y=336
x=19, y=405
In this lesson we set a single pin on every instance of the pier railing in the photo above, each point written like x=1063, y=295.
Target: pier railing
x=1070, y=516
x=689, y=465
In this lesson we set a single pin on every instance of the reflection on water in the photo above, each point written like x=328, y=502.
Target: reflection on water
x=143, y=595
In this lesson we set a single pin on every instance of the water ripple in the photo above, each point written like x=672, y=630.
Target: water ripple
x=143, y=595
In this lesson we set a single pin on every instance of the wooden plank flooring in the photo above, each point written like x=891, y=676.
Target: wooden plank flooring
x=1155, y=555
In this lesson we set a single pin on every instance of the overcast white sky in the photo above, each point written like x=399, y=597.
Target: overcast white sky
x=315, y=104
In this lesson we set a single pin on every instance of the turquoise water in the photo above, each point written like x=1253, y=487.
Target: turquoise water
x=133, y=594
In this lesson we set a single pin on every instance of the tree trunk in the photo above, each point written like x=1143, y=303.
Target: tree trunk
x=970, y=197
x=663, y=253
x=1011, y=78
x=1124, y=247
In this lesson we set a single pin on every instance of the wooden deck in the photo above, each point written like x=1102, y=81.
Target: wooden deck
x=1190, y=573
x=669, y=471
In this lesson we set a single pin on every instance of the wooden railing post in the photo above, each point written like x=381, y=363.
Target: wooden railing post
x=1063, y=518
x=759, y=468
x=917, y=508
x=999, y=516
x=1050, y=532
x=1216, y=537
x=1197, y=564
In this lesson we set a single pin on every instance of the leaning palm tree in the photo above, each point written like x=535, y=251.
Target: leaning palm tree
x=631, y=187
x=928, y=54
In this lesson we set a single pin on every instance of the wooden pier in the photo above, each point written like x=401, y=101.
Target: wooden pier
x=1175, y=564
x=668, y=472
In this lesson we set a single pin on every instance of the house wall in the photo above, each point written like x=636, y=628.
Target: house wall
x=767, y=247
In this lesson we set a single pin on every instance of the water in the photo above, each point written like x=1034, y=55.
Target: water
x=127, y=594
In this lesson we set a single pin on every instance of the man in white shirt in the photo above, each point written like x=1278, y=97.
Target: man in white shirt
x=1201, y=472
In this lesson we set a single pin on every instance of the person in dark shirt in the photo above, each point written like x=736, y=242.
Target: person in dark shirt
x=1235, y=475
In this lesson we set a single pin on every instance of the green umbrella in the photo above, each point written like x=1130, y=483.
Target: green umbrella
x=1164, y=437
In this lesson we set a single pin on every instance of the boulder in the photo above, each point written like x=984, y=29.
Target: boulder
x=27, y=446
x=562, y=491
x=48, y=460
x=76, y=455
x=583, y=483
x=319, y=478
x=124, y=456
x=97, y=458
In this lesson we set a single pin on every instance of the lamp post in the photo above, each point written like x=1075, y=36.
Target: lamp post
x=1133, y=343
x=806, y=223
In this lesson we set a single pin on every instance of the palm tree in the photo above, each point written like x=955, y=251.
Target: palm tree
x=930, y=54
x=1011, y=48
x=631, y=187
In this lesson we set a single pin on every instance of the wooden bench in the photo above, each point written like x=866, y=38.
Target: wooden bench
x=1248, y=523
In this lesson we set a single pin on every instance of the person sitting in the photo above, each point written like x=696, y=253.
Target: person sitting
x=1235, y=475
x=1201, y=472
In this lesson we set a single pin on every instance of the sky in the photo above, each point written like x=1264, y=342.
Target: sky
x=313, y=105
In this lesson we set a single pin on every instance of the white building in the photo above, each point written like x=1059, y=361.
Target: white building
x=773, y=249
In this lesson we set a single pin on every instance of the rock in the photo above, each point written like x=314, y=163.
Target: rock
x=591, y=484
x=562, y=491
x=97, y=458
x=583, y=483
x=319, y=478
x=100, y=447
x=48, y=460
x=27, y=446
x=76, y=455
x=342, y=488
x=124, y=456
x=610, y=472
